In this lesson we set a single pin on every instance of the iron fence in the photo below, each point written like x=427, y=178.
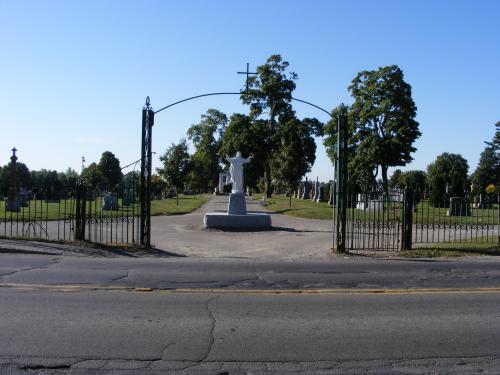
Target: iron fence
x=401, y=220
x=455, y=220
x=83, y=214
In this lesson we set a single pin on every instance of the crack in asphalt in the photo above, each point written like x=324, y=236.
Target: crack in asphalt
x=121, y=277
x=164, y=351
x=212, y=327
x=52, y=262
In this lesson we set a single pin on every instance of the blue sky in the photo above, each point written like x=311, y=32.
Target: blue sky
x=74, y=75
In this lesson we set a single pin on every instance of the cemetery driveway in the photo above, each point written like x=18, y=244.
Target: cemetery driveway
x=290, y=238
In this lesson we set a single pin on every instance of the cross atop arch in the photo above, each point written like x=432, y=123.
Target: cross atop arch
x=248, y=74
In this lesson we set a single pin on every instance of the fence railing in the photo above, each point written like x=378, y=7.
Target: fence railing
x=397, y=221
x=82, y=213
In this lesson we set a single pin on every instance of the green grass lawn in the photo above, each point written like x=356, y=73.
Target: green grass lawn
x=453, y=249
x=425, y=213
x=300, y=207
x=187, y=204
x=41, y=210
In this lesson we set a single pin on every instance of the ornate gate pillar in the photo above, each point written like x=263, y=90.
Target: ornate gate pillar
x=148, y=117
x=340, y=209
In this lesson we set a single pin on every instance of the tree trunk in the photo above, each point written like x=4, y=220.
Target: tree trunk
x=267, y=178
x=176, y=196
x=290, y=204
x=384, y=179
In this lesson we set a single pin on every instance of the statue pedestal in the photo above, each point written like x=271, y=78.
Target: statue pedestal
x=237, y=204
x=236, y=216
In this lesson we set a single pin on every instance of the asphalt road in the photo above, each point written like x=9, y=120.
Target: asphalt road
x=211, y=333
x=78, y=311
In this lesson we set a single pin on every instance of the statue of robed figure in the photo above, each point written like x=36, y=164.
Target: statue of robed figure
x=236, y=171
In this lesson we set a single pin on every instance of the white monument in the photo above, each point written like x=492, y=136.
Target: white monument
x=236, y=216
x=236, y=171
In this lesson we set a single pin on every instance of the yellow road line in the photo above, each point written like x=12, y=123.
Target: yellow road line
x=329, y=291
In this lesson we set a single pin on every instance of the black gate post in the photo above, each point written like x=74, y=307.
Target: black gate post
x=145, y=193
x=80, y=211
x=339, y=242
x=406, y=233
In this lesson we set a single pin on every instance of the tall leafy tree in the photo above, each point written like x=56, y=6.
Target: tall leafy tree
x=23, y=177
x=109, y=166
x=361, y=169
x=414, y=180
x=175, y=166
x=383, y=115
x=495, y=143
x=269, y=95
x=93, y=176
x=250, y=136
x=206, y=137
x=296, y=154
x=394, y=180
x=447, y=171
x=487, y=171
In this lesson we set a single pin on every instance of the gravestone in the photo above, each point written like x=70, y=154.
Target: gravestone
x=300, y=190
x=331, y=200
x=376, y=205
x=458, y=207
x=315, y=196
x=305, y=192
x=12, y=202
x=23, y=197
x=362, y=201
x=109, y=202
x=321, y=196
x=481, y=202
x=128, y=197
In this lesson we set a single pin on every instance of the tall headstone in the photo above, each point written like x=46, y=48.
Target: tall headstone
x=305, y=192
x=332, y=193
x=12, y=203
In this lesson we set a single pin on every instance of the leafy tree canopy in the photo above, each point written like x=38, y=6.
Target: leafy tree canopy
x=448, y=170
x=109, y=167
x=175, y=164
x=207, y=137
x=383, y=116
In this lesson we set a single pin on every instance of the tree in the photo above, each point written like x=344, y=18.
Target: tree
x=488, y=169
x=71, y=177
x=495, y=143
x=394, y=180
x=360, y=168
x=297, y=153
x=23, y=177
x=109, y=166
x=414, y=180
x=383, y=115
x=271, y=91
x=250, y=136
x=206, y=137
x=175, y=166
x=447, y=172
x=93, y=176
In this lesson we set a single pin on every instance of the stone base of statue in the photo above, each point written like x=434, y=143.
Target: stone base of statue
x=236, y=216
x=237, y=204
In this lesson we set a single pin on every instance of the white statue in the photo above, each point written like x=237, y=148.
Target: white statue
x=236, y=171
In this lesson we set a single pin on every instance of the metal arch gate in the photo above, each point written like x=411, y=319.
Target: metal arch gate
x=148, y=116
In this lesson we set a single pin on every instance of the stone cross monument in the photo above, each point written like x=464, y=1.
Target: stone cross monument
x=12, y=203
